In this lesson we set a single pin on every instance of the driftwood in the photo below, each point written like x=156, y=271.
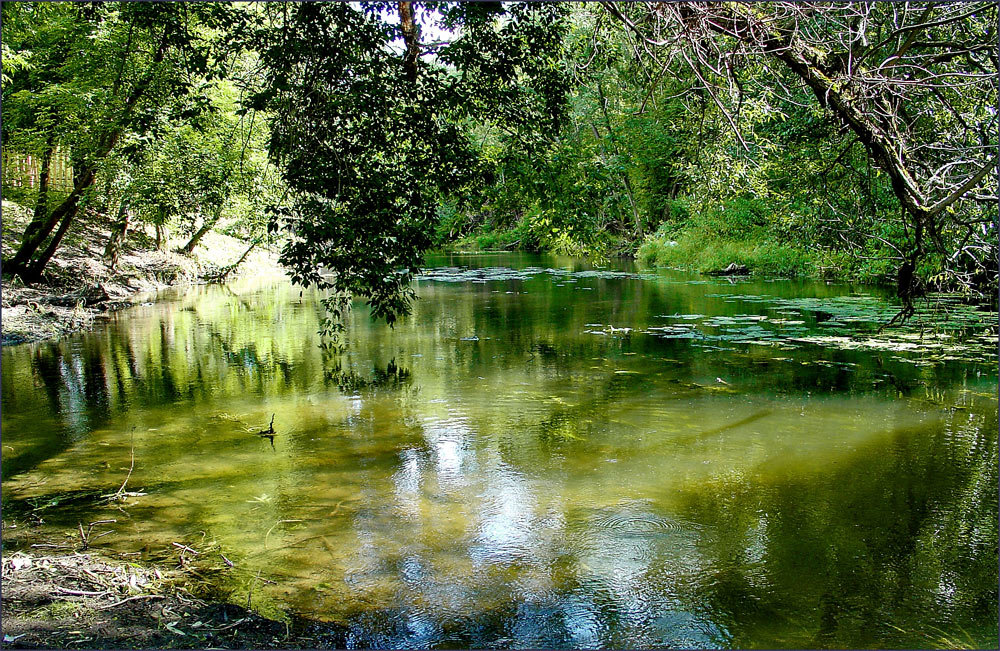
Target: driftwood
x=732, y=270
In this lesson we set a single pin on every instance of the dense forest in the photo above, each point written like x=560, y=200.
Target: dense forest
x=693, y=314
x=830, y=139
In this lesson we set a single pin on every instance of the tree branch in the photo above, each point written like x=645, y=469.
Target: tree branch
x=965, y=187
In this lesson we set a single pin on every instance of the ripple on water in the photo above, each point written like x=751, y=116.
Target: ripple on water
x=635, y=523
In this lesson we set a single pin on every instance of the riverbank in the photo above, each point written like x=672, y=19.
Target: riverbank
x=86, y=600
x=708, y=241
x=64, y=593
x=79, y=288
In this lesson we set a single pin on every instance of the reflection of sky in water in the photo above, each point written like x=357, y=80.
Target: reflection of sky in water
x=507, y=530
x=472, y=500
x=407, y=483
x=447, y=439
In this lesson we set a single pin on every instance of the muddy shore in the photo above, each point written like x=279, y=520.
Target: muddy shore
x=83, y=600
x=68, y=594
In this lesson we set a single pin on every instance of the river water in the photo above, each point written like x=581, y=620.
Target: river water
x=544, y=454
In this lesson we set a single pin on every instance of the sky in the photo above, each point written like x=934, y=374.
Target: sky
x=430, y=29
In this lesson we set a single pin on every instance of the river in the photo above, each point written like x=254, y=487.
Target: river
x=544, y=454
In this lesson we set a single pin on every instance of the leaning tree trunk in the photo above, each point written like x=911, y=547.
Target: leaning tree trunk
x=40, y=228
x=34, y=271
x=253, y=245
x=208, y=225
x=820, y=71
x=228, y=270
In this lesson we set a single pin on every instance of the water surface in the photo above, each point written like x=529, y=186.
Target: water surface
x=544, y=454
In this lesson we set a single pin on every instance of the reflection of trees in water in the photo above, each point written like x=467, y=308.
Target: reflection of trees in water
x=350, y=381
x=904, y=533
x=905, y=537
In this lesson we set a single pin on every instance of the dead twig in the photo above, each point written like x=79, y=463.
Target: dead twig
x=268, y=534
x=185, y=548
x=81, y=593
x=40, y=545
x=140, y=596
x=85, y=537
x=131, y=454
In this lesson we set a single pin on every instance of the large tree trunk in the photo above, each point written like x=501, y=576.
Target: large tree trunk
x=34, y=271
x=410, y=37
x=188, y=248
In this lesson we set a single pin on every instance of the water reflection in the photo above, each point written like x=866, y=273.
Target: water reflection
x=528, y=460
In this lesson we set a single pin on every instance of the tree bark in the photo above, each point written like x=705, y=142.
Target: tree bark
x=226, y=271
x=42, y=202
x=161, y=237
x=208, y=225
x=38, y=230
x=188, y=248
x=34, y=271
x=253, y=245
x=117, y=237
x=411, y=38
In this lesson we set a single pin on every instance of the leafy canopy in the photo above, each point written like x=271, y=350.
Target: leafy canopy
x=370, y=128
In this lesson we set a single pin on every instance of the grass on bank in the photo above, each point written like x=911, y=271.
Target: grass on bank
x=741, y=231
x=705, y=251
x=747, y=233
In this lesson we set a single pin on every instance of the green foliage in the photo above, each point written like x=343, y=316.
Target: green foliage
x=101, y=80
x=361, y=143
x=88, y=71
x=704, y=249
x=371, y=143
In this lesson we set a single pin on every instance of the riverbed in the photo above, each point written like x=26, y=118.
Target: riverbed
x=545, y=453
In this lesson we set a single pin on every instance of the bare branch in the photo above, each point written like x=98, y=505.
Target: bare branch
x=965, y=187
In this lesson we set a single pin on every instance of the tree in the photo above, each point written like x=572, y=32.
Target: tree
x=915, y=84
x=94, y=73
x=618, y=164
x=369, y=127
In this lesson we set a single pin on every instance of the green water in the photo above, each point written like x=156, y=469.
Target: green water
x=542, y=455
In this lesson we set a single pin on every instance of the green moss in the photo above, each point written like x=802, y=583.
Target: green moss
x=56, y=610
